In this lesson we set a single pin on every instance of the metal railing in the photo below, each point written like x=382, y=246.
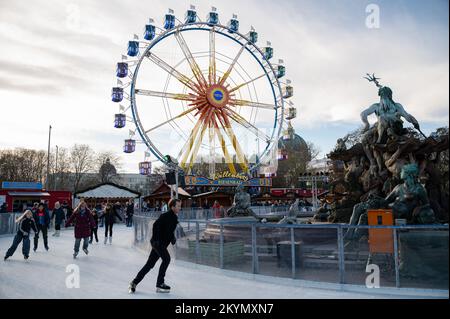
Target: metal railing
x=305, y=251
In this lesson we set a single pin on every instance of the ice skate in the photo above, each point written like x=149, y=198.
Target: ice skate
x=163, y=288
x=75, y=255
x=132, y=288
x=110, y=240
x=106, y=239
x=86, y=251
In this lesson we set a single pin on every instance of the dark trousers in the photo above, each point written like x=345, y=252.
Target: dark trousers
x=25, y=246
x=130, y=221
x=43, y=229
x=76, y=248
x=152, y=259
x=108, y=227
x=94, y=233
x=57, y=227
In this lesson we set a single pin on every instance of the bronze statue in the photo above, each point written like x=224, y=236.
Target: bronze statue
x=241, y=204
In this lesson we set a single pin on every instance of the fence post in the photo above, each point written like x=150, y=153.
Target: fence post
x=197, y=242
x=341, y=255
x=397, y=274
x=221, y=246
x=293, y=252
x=254, y=251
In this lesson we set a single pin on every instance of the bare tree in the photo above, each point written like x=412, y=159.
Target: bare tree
x=82, y=162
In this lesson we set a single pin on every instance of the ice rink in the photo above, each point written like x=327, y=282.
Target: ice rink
x=108, y=269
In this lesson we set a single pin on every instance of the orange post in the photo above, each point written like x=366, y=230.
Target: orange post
x=380, y=240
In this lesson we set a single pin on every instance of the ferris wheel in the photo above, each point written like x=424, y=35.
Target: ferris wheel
x=203, y=92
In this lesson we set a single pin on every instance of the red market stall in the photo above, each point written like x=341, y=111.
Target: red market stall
x=18, y=194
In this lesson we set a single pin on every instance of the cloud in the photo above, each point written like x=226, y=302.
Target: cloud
x=58, y=63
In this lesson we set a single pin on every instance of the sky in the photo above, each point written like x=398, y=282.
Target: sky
x=58, y=60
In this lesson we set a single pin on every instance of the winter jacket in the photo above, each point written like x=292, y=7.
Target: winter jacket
x=67, y=210
x=109, y=216
x=164, y=228
x=26, y=225
x=41, y=218
x=95, y=216
x=59, y=215
x=130, y=210
x=84, y=222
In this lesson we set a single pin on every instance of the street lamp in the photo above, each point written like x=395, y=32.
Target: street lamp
x=48, y=156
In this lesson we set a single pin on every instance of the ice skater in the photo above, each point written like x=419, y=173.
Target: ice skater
x=163, y=234
x=94, y=230
x=26, y=223
x=59, y=216
x=109, y=215
x=42, y=220
x=84, y=222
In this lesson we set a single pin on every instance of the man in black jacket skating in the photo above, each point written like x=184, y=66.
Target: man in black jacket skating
x=163, y=234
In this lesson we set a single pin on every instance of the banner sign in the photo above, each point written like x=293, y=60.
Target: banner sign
x=192, y=180
x=21, y=185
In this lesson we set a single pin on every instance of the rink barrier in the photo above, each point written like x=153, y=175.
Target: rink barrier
x=192, y=227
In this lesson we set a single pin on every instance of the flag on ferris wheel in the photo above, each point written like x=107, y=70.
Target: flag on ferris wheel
x=121, y=108
x=119, y=82
x=151, y=20
x=171, y=11
x=124, y=57
x=147, y=154
x=192, y=7
x=131, y=133
x=213, y=9
x=135, y=37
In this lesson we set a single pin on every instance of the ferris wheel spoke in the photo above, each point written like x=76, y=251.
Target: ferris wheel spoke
x=188, y=54
x=228, y=72
x=172, y=119
x=234, y=141
x=251, y=104
x=246, y=83
x=242, y=121
x=224, y=149
x=190, y=142
x=212, y=56
x=179, y=76
x=198, y=142
x=175, y=96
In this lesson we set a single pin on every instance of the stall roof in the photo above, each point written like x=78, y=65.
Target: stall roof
x=33, y=194
x=107, y=190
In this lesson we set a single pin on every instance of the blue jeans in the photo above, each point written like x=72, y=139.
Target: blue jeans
x=25, y=247
x=76, y=248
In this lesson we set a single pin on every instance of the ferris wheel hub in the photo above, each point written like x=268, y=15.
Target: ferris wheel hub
x=217, y=95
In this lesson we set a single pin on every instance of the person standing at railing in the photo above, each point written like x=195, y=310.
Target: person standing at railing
x=162, y=235
x=216, y=209
x=26, y=223
x=129, y=213
x=94, y=229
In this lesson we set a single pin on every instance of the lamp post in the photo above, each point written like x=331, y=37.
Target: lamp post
x=48, y=156
x=56, y=169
